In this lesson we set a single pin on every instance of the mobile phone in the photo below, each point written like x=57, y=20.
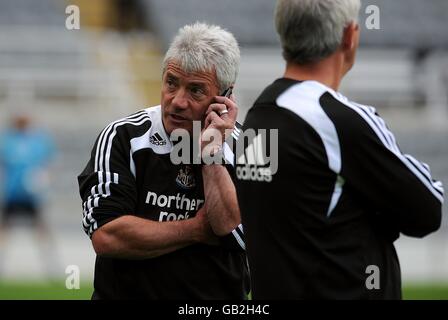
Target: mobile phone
x=227, y=93
x=238, y=126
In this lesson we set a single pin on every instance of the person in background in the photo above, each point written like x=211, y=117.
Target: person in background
x=25, y=154
x=323, y=225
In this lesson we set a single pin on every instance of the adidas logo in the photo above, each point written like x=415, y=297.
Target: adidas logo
x=253, y=155
x=157, y=140
x=252, y=165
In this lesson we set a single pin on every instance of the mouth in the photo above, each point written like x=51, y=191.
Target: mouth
x=178, y=118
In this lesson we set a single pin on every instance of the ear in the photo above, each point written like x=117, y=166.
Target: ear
x=350, y=38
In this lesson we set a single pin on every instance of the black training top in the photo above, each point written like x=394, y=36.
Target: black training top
x=323, y=226
x=130, y=172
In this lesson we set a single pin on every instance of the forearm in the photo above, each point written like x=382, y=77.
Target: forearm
x=221, y=200
x=131, y=237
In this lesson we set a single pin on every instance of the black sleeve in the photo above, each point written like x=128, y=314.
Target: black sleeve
x=235, y=239
x=398, y=186
x=107, y=185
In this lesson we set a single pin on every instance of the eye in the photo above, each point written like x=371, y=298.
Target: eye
x=171, y=83
x=197, y=91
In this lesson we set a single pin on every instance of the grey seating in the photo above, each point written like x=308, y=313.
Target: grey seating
x=409, y=23
x=32, y=13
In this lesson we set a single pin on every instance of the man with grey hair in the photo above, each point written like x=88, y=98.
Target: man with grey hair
x=163, y=230
x=323, y=226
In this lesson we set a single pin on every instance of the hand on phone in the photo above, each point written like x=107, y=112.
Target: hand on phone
x=225, y=108
x=219, y=121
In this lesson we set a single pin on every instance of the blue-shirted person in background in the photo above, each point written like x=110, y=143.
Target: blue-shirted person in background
x=25, y=153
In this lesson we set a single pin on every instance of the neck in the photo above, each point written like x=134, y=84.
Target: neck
x=328, y=71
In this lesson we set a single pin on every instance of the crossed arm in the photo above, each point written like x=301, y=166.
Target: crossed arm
x=131, y=237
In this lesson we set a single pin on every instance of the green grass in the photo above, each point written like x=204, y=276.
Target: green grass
x=55, y=290
x=426, y=292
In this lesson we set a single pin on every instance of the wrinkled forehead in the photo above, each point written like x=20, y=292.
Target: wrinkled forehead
x=174, y=68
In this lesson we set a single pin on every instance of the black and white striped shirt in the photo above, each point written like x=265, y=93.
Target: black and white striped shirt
x=342, y=193
x=130, y=172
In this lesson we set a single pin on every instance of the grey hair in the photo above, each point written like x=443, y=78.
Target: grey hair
x=311, y=30
x=201, y=48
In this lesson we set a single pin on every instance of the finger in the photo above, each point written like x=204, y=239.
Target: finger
x=216, y=107
x=230, y=104
x=224, y=100
x=212, y=138
x=207, y=122
x=215, y=121
x=222, y=112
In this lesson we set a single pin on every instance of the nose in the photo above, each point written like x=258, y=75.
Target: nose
x=180, y=100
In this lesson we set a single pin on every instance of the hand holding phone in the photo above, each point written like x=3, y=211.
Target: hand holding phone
x=222, y=106
x=226, y=93
x=219, y=119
